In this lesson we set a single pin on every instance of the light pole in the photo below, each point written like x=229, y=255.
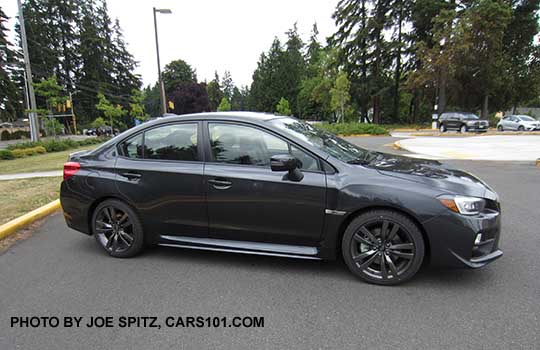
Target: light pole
x=34, y=124
x=160, y=80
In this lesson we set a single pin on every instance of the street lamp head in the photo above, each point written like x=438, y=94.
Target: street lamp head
x=164, y=11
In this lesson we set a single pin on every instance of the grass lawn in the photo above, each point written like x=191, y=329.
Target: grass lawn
x=17, y=197
x=44, y=162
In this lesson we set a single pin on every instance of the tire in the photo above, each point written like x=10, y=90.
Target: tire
x=521, y=128
x=463, y=129
x=363, y=248
x=115, y=218
x=500, y=128
x=442, y=128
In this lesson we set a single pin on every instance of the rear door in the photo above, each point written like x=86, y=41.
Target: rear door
x=160, y=172
x=248, y=201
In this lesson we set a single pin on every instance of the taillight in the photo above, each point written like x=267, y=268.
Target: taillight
x=70, y=168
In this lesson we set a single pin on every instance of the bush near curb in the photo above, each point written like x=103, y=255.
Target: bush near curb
x=353, y=128
x=25, y=152
x=25, y=149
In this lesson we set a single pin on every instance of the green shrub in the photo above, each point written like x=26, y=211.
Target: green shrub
x=20, y=134
x=353, y=128
x=6, y=154
x=25, y=152
x=57, y=145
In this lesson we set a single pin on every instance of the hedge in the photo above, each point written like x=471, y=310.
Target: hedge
x=353, y=128
x=25, y=149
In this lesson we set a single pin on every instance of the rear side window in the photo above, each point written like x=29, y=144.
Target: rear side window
x=168, y=142
x=133, y=148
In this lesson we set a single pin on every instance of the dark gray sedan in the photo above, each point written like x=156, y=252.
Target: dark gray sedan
x=263, y=184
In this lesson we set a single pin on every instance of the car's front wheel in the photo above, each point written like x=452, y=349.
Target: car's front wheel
x=117, y=229
x=521, y=128
x=463, y=128
x=442, y=128
x=383, y=247
x=500, y=128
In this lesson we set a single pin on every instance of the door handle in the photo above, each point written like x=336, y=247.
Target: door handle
x=220, y=184
x=132, y=176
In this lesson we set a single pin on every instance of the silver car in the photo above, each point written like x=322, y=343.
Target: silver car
x=518, y=122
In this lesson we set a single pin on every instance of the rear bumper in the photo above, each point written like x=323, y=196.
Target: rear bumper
x=453, y=240
x=75, y=207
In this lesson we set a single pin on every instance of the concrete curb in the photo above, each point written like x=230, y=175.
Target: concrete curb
x=22, y=221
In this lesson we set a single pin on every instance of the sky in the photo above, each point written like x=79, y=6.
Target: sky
x=211, y=34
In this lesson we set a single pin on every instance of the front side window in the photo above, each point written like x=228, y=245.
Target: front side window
x=237, y=144
x=168, y=142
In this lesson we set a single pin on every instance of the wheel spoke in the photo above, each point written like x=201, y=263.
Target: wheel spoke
x=402, y=254
x=110, y=241
x=123, y=239
x=361, y=239
x=114, y=246
x=391, y=265
x=127, y=237
x=126, y=224
x=368, y=234
x=384, y=273
x=402, y=246
x=107, y=214
x=384, y=230
x=103, y=229
x=364, y=255
x=392, y=233
x=122, y=219
x=368, y=262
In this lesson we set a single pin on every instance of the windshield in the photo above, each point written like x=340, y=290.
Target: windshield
x=526, y=118
x=325, y=141
x=470, y=116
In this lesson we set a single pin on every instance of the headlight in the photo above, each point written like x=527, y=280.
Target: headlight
x=463, y=205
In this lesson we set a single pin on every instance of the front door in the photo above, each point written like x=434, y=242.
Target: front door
x=161, y=171
x=248, y=201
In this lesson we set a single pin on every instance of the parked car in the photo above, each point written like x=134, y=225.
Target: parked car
x=263, y=184
x=462, y=122
x=518, y=122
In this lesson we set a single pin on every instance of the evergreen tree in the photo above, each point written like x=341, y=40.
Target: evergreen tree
x=177, y=72
x=10, y=94
x=215, y=94
x=227, y=85
x=224, y=105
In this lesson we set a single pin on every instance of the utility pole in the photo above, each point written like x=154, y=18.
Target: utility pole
x=73, y=117
x=160, y=80
x=34, y=125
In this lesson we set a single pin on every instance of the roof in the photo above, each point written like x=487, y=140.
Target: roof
x=231, y=114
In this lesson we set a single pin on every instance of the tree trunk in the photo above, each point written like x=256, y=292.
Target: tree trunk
x=397, y=76
x=376, y=110
x=485, y=105
x=441, y=102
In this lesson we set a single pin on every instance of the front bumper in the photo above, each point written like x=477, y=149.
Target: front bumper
x=452, y=239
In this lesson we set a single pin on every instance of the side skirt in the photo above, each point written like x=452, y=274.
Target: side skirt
x=242, y=247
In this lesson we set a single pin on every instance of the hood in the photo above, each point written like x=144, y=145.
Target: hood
x=429, y=172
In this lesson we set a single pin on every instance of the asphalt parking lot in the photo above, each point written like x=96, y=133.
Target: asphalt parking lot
x=305, y=304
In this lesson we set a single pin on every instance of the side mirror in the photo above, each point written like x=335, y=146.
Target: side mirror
x=286, y=162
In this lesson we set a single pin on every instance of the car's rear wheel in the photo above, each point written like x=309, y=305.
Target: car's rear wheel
x=383, y=247
x=500, y=128
x=521, y=128
x=117, y=229
x=463, y=128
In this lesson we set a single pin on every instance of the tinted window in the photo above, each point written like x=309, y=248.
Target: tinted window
x=133, y=148
x=172, y=142
x=236, y=144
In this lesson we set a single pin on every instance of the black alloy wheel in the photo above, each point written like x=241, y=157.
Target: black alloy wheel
x=383, y=247
x=117, y=229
